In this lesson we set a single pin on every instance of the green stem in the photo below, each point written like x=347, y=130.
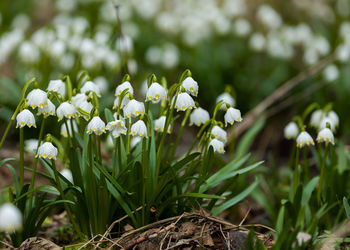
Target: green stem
x=295, y=175
x=21, y=158
x=129, y=136
x=114, y=158
x=322, y=173
x=291, y=158
x=183, y=124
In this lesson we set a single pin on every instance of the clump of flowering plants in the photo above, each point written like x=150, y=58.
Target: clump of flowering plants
x=143, y=176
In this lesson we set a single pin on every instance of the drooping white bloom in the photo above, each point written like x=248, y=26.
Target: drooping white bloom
x=57, y=86
x=96, y=125
x=87, y=107
x=31, y=145
x=47, y=110
x=10, y=218
x=325, y=135
x=47, y=150
x=159, y=124
x=37, y=98
x=122, y=87
x=269, y=17
x=232, y=115
x=64, y=132
x=65, y=110
x=217, y=145
x=117, y=127
x=227, y=99
x=102, y=83
x=134, y=141
x=257, y=41
x=331, y=73
x=67, y=174
x=79, y=99
x=334, y=117
x=190, y=85
x=219, y=133
x=183, y=102
x=124, y=102
x=304, y=138
x=291, y=130
x=91, y=86
x=25, y=118
x=199, y=116
x=155, y=93
x=302, y=238
x=134, y=108
x=316, y=117
x=138, y=129
x=326, y=120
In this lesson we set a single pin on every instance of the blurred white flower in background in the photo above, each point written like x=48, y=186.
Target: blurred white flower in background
x=10, y=218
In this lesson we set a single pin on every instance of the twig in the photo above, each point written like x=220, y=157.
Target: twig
x=244, y=218
x=252, y=115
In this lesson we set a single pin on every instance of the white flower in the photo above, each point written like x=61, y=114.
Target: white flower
x=122, y=87
x=78, y=99
x=331, y=73
x=302, y=238
x=155, y=93
x=124, y=102
x=67, y=174
x=219, y=133
x=117, y=127
x=96, y=125
x=91, y=86
x=291, y=130
x=334, y=117
x=227, y=99
x=57, y=86
x=138, y=129
x=232, y=115
x=47, y=150
x=47, y=110
x=134, y=141
x=324, y=121
x=10, y=218
x=190, y=85
x=25, y=117
x=183, y=102
x=87, y=107
x=304, y=138
x=217, y=145
x=64, y=132
x=316, y=117
x=325, y=135
x=31, y=145
x=134, y=109
x=102, y=83
x=65, y=110
x=159, y=124
x=37, y=98
x=199, y=116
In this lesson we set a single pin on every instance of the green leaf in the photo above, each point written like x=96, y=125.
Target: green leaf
x=14, y=175
x=202, y=196
x=44, y=188
x=307, y=191
x=346, y=207
x=342, y=159
x=233, y=201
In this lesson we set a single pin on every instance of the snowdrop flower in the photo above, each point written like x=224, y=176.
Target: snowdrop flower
x=47, y=150
x=184, y=101
x=64, y=132
x=10, y=218
x=324, y=121
x=96, y=125
x=134, y=141
x=232, y=115
x=325, y=135
x=291, y=130
x=117, y=127
x=199, y=116
x=155, y=93
x=134, y=109
x=269, y=17
x=65, y=110
x=331, y=73
x=78, y=99
x=227, y=100
x=87, y=107
x=67, y=174
x=25, y=117
x=334, y=117
x=190, y=85
x=316, y=117
x=217, y=145
x=122, y=87
x=304, y=138
x=57, y=86
x=139, y=129
x=302, y=238
x=47, y=110
x=124, y=102
x=219, y=133
x=159, y=124
x=257, y=42
x=91, y=86
x=102, y=84
x=31, y=145
x=37, y=98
